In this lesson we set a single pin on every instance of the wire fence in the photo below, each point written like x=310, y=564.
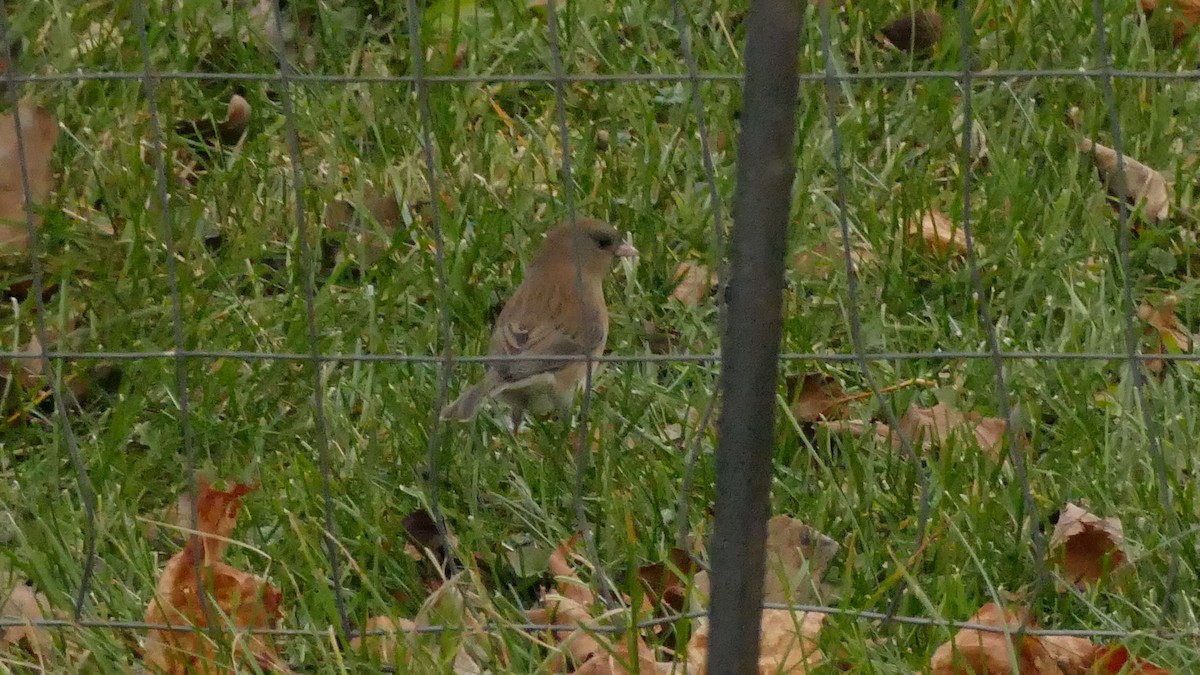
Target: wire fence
x=735, y=535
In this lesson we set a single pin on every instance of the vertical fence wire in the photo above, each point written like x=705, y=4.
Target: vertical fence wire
x=87, y=494
x=683, y=526
x=182, y=388
x=308, y=270
x=582, y=453
x=445, y=334
x=1124, y=245
x=1016, y=451
x=854, y=320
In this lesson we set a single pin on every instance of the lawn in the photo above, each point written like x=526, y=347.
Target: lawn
x=1055, y=261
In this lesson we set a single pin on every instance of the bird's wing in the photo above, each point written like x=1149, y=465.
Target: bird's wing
x=543, y=329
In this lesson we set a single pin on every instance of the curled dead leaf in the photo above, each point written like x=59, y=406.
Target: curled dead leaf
x=23, y=604
x=798, y=556
x=231, y=597
x=39, y=132
x=820, y=397
x=988, y=653
x=936, y=232
x=1137, y=184
x=787, y=643
x=226, y=133
x=1087, y=546
x=1114, y=659
x=1170, y=335
x=693, y=283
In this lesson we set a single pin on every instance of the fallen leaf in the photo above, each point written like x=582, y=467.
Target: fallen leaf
x=666, y=582
x=226, y=133
x=400, y=640
x=592, y=652
x=797, y=557
x=787, y=643
x=916, y=32
x=819, y=398
x=1072, y=654
x=1137, y=184
x=827, y=256
x=231, y=597
x=1172, y=337
x=371, y=241
x=938, y=233
x=24, y=604
x=936, y=426
x=1086, y=545
x=693, y=283
x=39, y=131
x=976, y=652
x=1116, y=659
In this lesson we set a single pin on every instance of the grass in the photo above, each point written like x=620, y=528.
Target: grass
x=1049, y=262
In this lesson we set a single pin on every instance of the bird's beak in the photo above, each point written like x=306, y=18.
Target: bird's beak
x=626, y=250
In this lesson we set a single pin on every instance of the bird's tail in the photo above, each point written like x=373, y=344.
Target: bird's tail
x=465, y=406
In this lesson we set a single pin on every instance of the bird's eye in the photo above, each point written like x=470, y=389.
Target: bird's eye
x=603, y=240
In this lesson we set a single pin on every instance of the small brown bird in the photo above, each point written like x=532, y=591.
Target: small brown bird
x=547, y=316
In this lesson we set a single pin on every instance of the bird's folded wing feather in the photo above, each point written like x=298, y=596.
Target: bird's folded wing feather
x=513, y=338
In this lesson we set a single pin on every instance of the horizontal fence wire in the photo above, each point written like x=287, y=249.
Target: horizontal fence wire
x=837, y=357
x=548, y=78
x=287, y=78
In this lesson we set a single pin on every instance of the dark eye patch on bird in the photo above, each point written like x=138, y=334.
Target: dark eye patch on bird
x=603, y=239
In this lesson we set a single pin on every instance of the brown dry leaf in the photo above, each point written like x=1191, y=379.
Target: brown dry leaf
x=1171, y=336
x=693, y=282
x=39, y=131
x=401, y=639
x=1086, y=545
x=828, y=256
x=934, y=427
x=24, y=604
x=232, y=598
x=938, y=233
x=976, y=652
x=1139, y=183
x=1072, y=654
x=797, y=557
x=593, y=653
x=355, y=220
x=787, y=643
x=861, y=428
x=663, y=581
x=819, y=398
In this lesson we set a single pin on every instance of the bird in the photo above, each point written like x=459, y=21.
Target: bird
x=548, y=315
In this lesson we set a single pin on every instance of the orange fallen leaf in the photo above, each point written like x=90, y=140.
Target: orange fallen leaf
x=39, y=131
x=938, y=233
x=693, y=282
x=24, y=604
x=977, y=652
x=1116, y=659
x=1086, y=545
x=797, y=557
x=592, y=652
x=666, y=582
x=231, y=598
x=1137, y=183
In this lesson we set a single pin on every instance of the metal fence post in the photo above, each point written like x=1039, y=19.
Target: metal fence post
x=750, y=344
